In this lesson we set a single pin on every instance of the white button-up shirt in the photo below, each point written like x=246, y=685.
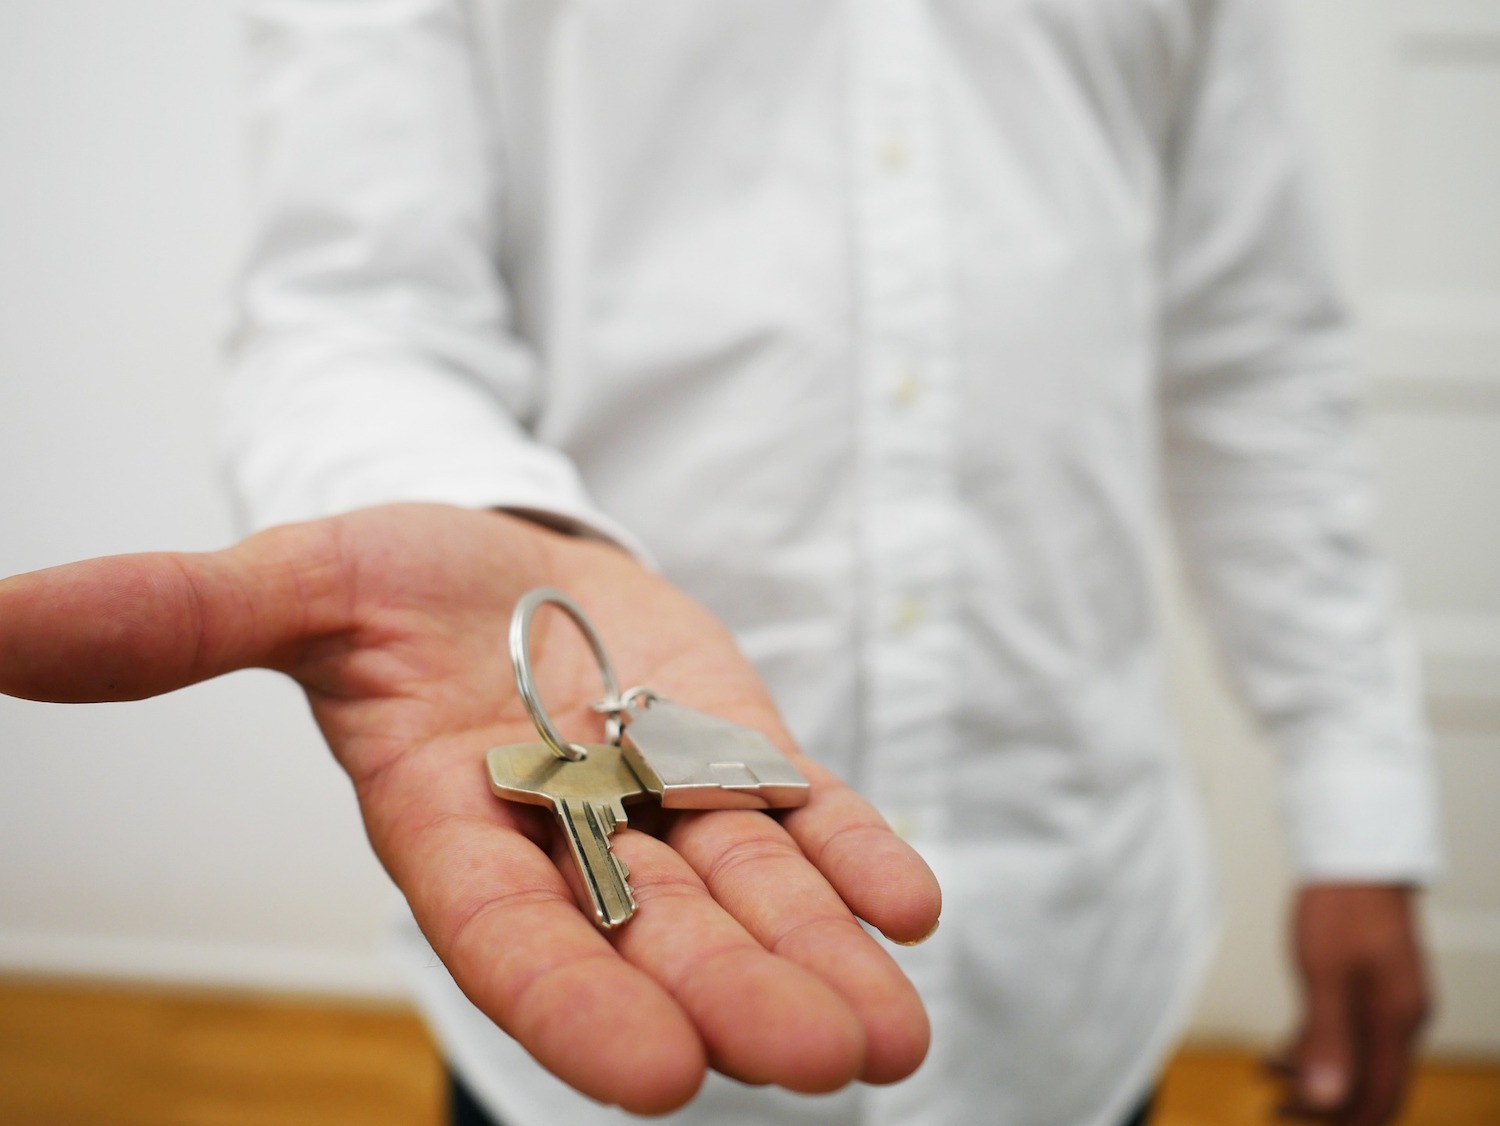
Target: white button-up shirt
x=887, y=328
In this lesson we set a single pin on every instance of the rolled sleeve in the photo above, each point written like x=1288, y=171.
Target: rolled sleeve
x=1269, y=487
x=374, y=356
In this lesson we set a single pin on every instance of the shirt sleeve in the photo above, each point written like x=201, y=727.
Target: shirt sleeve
x=1270, y=490
x=374, y=355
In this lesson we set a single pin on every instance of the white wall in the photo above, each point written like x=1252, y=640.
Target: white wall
x=208, y=835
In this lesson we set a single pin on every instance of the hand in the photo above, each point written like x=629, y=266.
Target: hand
x=1365, y=999
x=745, y=954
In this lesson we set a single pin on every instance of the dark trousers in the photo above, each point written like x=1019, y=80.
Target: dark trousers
x=465, y=1111
x=463, y=1108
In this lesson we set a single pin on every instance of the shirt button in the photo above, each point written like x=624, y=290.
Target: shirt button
x=909, y=614
x=908, y=387
x=895, y=154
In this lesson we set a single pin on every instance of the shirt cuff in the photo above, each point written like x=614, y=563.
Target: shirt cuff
x=304, y=441
x=1353, y=820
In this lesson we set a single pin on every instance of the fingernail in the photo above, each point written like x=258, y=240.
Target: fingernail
x=1323, y=1084
x=919, y=940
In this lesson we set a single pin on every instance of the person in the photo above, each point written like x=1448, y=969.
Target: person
x=839, y=359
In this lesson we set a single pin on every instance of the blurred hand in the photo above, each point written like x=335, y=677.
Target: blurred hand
x=1364, y=1001
x=745, y=955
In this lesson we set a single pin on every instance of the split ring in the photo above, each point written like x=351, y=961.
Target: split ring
x=520, y=655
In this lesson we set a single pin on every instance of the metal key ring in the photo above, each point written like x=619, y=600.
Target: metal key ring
x=520, y=655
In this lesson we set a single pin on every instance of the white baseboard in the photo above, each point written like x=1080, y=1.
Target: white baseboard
x=364, y=974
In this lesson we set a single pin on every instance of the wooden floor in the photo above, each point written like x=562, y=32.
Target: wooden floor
x=92, y=1055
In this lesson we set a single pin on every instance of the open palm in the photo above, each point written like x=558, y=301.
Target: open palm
x=745, y=955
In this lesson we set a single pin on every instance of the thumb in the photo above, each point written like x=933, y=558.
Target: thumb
x=1324, y=1057
x=131, y=626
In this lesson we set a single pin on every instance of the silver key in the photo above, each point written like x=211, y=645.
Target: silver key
x=692, y=760
x=588, y=796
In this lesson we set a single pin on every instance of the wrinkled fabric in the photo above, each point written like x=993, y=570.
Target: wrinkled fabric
x=891, y=330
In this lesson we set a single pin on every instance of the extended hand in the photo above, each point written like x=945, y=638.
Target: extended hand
x=745, y=956
x=1365, y=1000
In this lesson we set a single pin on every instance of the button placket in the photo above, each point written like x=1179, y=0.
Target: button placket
x=907, y=505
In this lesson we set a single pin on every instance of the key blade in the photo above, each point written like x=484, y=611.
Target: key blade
x=588, y=797
x=587, y=827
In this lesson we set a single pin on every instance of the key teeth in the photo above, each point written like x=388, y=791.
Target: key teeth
x=617, y=817
x=615, y=905
x=627, y=894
